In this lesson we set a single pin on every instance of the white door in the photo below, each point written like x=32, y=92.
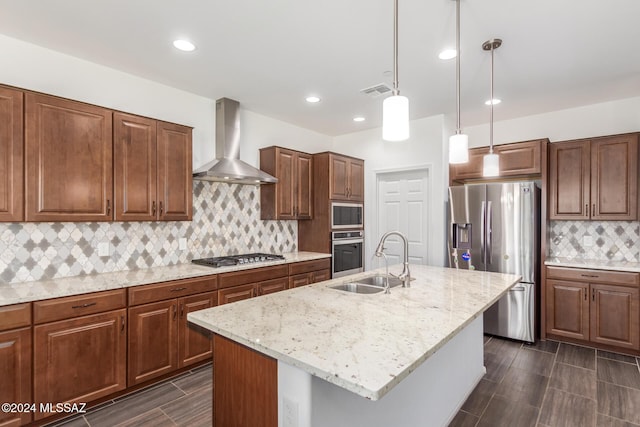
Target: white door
x=403, y=205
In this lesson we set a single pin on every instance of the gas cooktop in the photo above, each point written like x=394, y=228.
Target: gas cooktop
x=224, y=261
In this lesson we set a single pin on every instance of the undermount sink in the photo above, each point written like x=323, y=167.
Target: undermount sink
x=368, y=285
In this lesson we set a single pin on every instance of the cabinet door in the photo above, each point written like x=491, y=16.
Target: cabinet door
x=11, y=156
x=614, y=178
x=286, y=186
x=615, y=316
x=236, y=293
x=321, y=275
x=15, y=374
x=300, y=280
x=356, y=180
x=68, y=160
x=195, y=342
x=521, y=158
x=81, y=359
x=470, y=170
x=271, y=286
x=569, y=180
x=134, y=141
x=304, y=190
x=153, y=340
x=567, y=309
x=338, y=170
x=175, y=182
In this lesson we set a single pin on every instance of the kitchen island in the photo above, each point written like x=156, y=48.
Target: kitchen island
x=316, y=356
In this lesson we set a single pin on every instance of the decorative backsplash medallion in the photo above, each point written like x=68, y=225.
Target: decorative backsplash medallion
x=611, y=240
x=226, y=220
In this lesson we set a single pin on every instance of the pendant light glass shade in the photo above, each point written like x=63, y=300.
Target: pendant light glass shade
x=490, y=165
x=395, y=118
x=458, y=148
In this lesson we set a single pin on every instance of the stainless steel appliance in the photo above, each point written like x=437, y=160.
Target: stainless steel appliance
x=347, y=215
x=347, y=252
x=496, y=227
x=223, y=261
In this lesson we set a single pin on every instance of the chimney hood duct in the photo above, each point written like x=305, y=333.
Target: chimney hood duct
x=227, y=166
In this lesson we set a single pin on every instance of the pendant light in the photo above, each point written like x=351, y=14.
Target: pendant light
x=395, y=109
x=491, y=161
x=458, y=143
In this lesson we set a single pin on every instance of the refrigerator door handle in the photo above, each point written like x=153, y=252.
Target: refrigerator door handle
x=489, y=227
x=482, y=232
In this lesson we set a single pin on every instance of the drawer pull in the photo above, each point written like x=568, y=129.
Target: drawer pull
x=122, y=322
x=177, y=289
x=84, y=305
x=590, y=275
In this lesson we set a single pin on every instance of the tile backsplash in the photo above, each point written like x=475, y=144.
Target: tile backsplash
x=226, y=220
x=610, y=240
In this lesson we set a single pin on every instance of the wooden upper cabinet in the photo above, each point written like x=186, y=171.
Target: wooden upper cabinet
x=68, y=160
x=516, y=159
x=175, y=182
x=11, y=155
x=292, y=196
x=346, y=178
x=152, y=169
x=594, y=179
x=134, y=142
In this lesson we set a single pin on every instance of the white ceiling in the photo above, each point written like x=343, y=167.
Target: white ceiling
x=270, y=54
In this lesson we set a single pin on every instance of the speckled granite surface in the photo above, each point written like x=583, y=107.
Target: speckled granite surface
x=14, y=293
x=631, y=266
x=363, y=343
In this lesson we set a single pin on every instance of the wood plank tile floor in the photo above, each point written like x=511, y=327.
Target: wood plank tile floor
x=546, y=384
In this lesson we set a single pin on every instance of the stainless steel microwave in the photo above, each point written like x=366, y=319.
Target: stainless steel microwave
x=347, y=215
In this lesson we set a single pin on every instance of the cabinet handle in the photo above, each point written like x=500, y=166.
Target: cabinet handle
x=177, y=289
x=153, y=208
x=584, y=291
x=586, y=208
x=84, y=305
x=161, y=208
x=175, y=312
x=108, y=206
x=593, y=294
x=589, y=275
x=593, y=210
x=122, y=323
x=182, y=311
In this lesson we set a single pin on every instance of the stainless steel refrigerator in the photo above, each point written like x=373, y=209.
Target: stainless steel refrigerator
x=496, y=227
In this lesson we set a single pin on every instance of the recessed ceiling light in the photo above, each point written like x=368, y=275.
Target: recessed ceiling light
x=358, y=119
x=184, y=45
x=447, y=54
x=496, y=101
x=312, y=99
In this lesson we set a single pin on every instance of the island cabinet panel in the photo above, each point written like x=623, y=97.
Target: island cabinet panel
x=292, y=196
x=567, y=310
x=68, y=160
x=80, y=359
x=595, y=179
x=615, y=316
x=11, y=155
x=15, y=361
x=245, y=386
x=175, y=181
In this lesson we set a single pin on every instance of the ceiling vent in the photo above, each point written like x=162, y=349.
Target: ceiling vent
x=377, y=90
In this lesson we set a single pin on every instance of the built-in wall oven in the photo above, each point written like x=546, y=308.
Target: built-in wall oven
x=347, y=215
x=347, y=250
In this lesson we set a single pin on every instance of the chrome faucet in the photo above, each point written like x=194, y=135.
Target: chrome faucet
x=405, y=276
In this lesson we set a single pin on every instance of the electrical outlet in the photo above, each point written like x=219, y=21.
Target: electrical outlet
x=587, y=240
x=290, y=412
x=279, y=238
x=182, y=243
x=104, y=249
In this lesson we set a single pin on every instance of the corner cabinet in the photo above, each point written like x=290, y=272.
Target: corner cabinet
x=594, y=179
x=152, y=167
x=11, y=155
x=68, y=160
x=292, y=196
x=595, y=306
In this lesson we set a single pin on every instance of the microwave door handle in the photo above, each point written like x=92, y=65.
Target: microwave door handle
x=482, y=226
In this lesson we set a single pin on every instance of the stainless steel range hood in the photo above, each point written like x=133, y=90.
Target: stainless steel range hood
x=227, y=166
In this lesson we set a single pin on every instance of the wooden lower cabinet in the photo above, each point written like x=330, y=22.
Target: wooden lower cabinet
x=79, y=359
x=309, y=278
x=161, y=339
x=15, y=374
x=567, y=309
x=272, y=286
x=615, y=316
x=236, y=293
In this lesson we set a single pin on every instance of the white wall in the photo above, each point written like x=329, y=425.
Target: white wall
x=424, y=148
x=35, y=68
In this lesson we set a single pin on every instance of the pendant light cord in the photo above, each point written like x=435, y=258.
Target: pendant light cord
x=491, y=102
x=458, y=127
x=395, y=48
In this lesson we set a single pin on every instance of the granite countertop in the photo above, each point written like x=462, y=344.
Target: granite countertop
x=14, y=293
x=633, y=267
x=363, y=343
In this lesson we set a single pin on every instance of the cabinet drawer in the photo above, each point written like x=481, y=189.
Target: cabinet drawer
x=252, y=275
x=174, y=289
x=236, y=293
x=78, y=305
x=15, y=316
x=598, y=276
x=308, y=266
